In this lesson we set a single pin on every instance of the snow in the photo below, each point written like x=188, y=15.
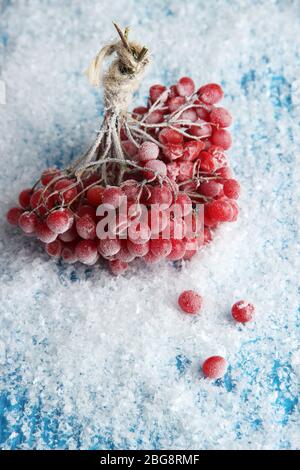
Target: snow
x=88, y=360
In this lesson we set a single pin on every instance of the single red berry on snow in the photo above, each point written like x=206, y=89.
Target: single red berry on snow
x=231, y=189
x=24, y=198
x=210, y=93
x=59, y=221
x=214, y=367
x=190, y=302
x=13, y=215
x=242, y=311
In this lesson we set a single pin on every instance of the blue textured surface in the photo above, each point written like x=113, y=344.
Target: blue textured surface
x=256, y=405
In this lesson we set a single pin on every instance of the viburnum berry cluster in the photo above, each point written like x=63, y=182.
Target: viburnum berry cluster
x=168, y=153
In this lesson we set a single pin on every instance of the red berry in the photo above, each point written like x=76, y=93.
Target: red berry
x=156, y=91
x=242, y=311
x=59, y=221
x=151, y=258
x=161, y=195
x=85, y=209
x=67, y=190
x=203, y=129
x=109, y=247
x=173, y=151
x=44, y=233
x=231, y=189
x=211, y=93
x=192, y=149
x=186, y=170
x=27, y=222
x=148, y=151
x=68, y=253
x=86, y=227
x=185, y=86
x=188, y=115
x=220, y=211
x=37, y=199
x=221, y=138
x=154, y=168
x=138, y=112
x=48, y=175
x=70, y=235
x=175, y=103
x=214, y=367
x=155, y=117
x=139, y=233
x=13, y=215
x=185, y=203
x=113, y=196
x=190, y=302
x=24, y=198
x=54, y=248
x=140, y=249
x=129, y=148
x=169, y=136
x=178, y=250
x=221, y=117
x=117, y=266
x=124, y=254
x=131, y=189
x=235, y=209
x=86, y=252
x=210, y=188
x=207, y=162
x=161, y=247
x=94, y=195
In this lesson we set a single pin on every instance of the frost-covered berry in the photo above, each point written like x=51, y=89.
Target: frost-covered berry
x=210, y=93
x=27, y=222
x=231, y=189
x=148, y=151
x=129, y=148
x=242, y=311
x=214, y=367
x=160, y=195
x=184, y=202
x=60, y=221
x=24, y=198
x=113, y=196
x=221, y=117
x=154, y=168
x=44, y=233
x=169, y=136
x=67, y=190
x=109, y=247
x=173, y=151
x=161, y=247
x=192, y=149
x=221, y=138
x=156, y=91
x=140, y=249
x=210, y=188
x=190, y=302
x=70, y=235
x=86, y=252
x=175, y=103
x=86, y=227
x=220, y=210
x=68, y=253
x=86, y=209
x=54, y=248
x=94, y=195
x=185, y=86
x=178, y=250
x=117, y=266
x=13, y=215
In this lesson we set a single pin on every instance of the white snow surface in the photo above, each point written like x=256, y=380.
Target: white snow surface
x=95, y=354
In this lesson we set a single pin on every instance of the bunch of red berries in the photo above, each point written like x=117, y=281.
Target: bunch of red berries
x=170, y=153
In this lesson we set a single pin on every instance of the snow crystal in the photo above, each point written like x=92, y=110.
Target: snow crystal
x=92, y=361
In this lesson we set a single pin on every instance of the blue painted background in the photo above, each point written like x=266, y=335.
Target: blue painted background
x=252, y=48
